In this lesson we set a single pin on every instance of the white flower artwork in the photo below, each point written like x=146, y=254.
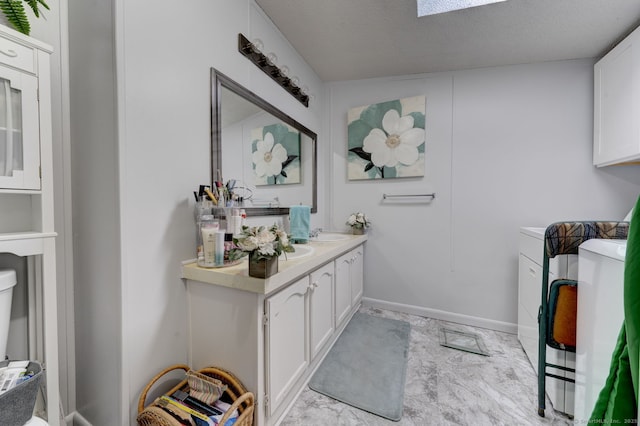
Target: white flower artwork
x=387, y=140
x=275, y=155
x=268, y=157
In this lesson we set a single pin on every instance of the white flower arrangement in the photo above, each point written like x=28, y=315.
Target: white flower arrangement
x=358, y=221
x=262, y=242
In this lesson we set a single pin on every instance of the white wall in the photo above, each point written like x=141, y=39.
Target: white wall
x=140, y=89
x=96, y=222
x=506, y=147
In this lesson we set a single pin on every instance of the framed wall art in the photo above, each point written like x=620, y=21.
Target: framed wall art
x=275, y=155
x=387, y=140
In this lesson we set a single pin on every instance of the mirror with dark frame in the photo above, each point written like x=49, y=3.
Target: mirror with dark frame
x=270, y=157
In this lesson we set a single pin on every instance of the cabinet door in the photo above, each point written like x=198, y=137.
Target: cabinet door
x=287, y=340
x=343, y=287
x=616, y=131
x=357, y=275
x=321, y=315
x=19, y=131
x=321, y=307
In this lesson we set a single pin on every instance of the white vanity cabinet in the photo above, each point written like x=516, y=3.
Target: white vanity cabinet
x=349, y=282
x=357, y=274
x=321, y=307
x=560, y=393
x=287, y=339
x=273, y=333
x=343, y=287
x=291, y=343
x=616, y=131
x=26, y=194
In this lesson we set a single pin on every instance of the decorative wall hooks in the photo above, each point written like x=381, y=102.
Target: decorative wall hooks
x=268, y=66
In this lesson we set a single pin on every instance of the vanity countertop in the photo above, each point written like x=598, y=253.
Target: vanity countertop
x=288, y=270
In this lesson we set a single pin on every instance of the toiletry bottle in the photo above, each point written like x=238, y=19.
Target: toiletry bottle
x=219, y=247
x=237, y=222
x=243, y=215
x=230, y=221
x=206, y=244
x=228, y=246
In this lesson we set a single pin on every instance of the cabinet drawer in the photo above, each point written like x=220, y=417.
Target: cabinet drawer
x=17, y=55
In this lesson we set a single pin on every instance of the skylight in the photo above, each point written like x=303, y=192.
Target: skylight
x=433, y=7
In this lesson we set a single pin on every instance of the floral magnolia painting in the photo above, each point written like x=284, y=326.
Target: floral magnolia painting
x=275, y=155
x=387, y=140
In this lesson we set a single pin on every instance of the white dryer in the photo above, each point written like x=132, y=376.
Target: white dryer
x=600, y=318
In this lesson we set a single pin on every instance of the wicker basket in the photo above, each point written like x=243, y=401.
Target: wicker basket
x=236, y=394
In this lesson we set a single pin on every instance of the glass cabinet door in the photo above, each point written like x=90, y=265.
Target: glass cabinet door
x=19, y=137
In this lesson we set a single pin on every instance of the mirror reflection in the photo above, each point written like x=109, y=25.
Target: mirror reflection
x=270, y=156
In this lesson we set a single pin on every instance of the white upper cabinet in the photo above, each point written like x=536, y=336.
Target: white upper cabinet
x=616, y=129
x=19, y=137
x=19, y=116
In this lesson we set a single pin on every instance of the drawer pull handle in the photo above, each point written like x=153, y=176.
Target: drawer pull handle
x=532, y=272
x=9, y=52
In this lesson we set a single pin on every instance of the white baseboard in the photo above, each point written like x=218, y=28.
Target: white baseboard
x=506, y=327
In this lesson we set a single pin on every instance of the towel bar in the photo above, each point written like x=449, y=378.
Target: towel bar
x=385, y=196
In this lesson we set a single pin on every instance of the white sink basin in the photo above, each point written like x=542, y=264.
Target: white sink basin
x=331, y=236
x=302, y=250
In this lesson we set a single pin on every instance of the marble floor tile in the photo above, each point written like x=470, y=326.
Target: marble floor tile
x=446, y=386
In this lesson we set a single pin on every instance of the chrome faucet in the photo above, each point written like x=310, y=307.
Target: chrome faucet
x=315, y=232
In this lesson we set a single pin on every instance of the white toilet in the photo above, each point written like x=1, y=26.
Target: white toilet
x=36, y=421
x=7, y=282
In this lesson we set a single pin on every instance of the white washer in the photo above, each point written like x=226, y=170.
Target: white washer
x=600, y=318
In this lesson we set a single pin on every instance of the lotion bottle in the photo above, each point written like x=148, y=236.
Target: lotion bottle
x=208, y=229
x=219, y=247
x=237, y=222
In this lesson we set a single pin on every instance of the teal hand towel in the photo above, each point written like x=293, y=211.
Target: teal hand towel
x=299, y=220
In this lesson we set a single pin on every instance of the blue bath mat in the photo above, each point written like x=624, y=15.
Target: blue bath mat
x=366, y=368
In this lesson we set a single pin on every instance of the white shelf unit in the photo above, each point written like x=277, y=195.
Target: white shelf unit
x=26, y=194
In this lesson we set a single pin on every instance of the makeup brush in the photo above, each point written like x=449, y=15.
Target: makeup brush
x=210, y=195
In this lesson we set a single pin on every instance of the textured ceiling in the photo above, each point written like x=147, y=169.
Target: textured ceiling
x=355, y=39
